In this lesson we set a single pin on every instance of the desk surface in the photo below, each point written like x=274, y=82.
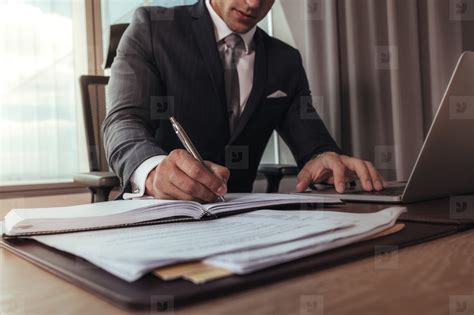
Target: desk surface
x=431, y=278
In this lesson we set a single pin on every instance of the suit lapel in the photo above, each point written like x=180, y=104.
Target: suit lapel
x=203, y=30
x=258, y=86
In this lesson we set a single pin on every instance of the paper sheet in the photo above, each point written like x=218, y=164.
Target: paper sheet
x=130, y=252
x=200, y=272
x=365, y=224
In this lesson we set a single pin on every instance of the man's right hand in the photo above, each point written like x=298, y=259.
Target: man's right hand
x=181, y=176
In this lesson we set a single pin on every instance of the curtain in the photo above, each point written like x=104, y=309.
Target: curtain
x=378, y=69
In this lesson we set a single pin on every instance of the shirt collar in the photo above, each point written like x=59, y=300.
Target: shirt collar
x=221, y=29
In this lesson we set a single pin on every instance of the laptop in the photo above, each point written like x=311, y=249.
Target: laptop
x=445, y=164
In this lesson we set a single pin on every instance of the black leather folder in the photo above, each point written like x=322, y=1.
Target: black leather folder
x=152, y=294
x=440, y=211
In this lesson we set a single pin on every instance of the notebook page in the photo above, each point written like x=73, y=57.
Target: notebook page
x=101, y=214
x=242, y=201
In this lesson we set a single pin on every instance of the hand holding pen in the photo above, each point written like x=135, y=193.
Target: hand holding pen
x=184, y=175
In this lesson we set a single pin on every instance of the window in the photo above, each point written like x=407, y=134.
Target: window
x=43, y=51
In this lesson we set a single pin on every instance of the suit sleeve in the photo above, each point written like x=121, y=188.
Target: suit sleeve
x=129, y=126
x=302, y=128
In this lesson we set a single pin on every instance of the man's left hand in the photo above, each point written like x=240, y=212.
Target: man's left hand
x=336, y=169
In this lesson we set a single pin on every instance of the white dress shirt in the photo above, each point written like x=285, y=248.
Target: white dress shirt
x=245, y=66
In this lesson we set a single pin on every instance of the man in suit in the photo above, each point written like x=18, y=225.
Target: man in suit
x=230, y=85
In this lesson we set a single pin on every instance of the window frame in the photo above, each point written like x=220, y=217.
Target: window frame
x=94, y=62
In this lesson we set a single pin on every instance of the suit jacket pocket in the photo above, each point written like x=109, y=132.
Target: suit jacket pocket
x=279, y=101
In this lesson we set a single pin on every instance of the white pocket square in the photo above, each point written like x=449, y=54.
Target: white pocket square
x=277, y=94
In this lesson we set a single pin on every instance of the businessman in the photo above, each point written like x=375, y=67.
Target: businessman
x=230, y=85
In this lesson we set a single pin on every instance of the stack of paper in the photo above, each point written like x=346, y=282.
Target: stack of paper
x=240, y=243
x=364, y=225
x=131, y=252
x=200, y=272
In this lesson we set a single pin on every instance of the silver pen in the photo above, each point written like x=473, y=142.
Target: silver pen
x=188, y=145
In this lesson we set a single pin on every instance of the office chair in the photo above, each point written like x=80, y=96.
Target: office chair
x=100, y=180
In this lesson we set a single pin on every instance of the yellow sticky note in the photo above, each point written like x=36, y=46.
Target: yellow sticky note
x=213, y=273
x=391, y=230
x=177, y=271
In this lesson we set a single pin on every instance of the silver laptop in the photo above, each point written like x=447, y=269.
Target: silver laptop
x=445, y=164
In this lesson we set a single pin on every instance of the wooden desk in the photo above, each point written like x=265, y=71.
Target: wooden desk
x=431, y=278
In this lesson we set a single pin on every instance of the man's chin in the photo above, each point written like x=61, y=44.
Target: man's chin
x=241, y=28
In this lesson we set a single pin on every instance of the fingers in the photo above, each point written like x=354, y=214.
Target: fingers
x=171, y=183
x=368, y=176
x=220, y=171
x=319, y=169
x=190, y=186
x=180, y=176
x=348, y=177
x=198, y=172
x=377, y=179
x=363, y=173
x=304, y=180
x=338, y=171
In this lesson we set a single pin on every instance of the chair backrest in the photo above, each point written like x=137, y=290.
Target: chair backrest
x=116, y=32
x=93, y=94
x=93, y=105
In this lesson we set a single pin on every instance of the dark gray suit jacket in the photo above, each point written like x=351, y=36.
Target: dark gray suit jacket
x=168, y=64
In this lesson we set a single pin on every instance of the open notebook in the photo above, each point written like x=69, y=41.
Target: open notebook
x=121, y=213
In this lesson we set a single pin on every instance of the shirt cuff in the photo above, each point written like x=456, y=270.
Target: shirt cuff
x=322, y=154
x=139, y=176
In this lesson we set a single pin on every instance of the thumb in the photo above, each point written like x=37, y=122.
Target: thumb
x=304, y=179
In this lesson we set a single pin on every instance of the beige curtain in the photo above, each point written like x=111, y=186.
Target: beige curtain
x=378, y=68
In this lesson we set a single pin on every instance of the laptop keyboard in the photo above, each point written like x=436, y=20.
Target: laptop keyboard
x=389, y=191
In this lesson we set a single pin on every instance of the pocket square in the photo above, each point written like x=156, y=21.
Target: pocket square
x=277, y=94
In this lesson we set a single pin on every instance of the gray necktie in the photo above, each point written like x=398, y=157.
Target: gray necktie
x=231, y=49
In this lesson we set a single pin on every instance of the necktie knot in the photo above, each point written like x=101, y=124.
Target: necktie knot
x=234, y=41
